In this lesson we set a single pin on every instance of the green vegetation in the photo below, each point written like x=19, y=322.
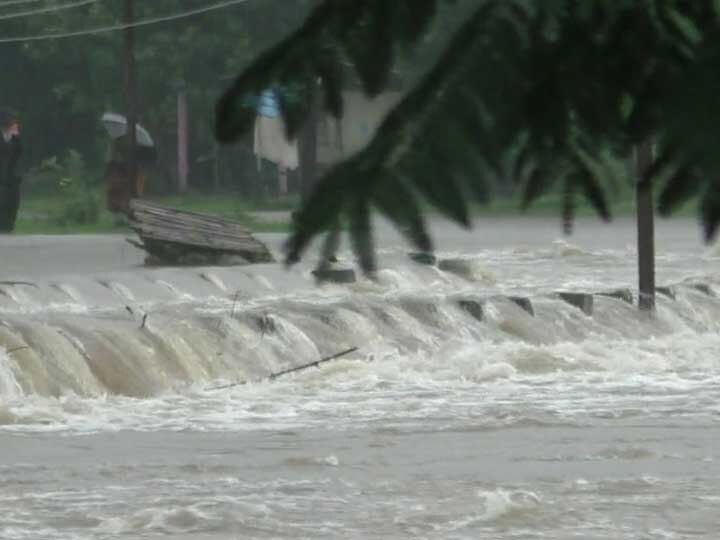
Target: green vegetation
x=61, y=87
x=39, y=213
x=554, y=90
x=543, y=93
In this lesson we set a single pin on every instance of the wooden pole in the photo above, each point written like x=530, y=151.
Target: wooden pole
x=646, y=231
x=130, y=94
x=182, y=128
x=274, y=376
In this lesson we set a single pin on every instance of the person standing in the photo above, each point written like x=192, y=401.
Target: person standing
x=120, y=187
x=10, y=150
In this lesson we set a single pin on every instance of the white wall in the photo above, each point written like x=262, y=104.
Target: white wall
x=361, y=119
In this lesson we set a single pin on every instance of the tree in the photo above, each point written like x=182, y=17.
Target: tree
x=61, y=87
x=556, y=85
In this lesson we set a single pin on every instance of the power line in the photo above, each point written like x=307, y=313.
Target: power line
x=50, y=9
x=117, y=27
x=18, y=2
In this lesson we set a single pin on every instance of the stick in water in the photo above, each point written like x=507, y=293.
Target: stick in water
x=232, y=313
x=314, y=364
x=274, y=376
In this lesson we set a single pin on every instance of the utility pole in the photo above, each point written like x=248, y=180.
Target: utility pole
x=646, y=230
x=131, y=94
x=182, y=129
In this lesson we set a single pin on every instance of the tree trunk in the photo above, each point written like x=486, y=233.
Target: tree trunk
x=646, y=231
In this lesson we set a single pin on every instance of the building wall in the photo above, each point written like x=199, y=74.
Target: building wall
x=362, y=117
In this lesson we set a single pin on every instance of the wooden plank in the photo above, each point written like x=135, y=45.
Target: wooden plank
x=139, y=205
x=199, y=239
x=190, y=226
x=178, y=217
x=173, y=253
x=175, y=219
x=193, y=231
x=168, y=234
x=179, y=224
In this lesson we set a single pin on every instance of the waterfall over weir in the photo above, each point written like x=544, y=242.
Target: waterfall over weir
x=510, y=389
x=146, y=332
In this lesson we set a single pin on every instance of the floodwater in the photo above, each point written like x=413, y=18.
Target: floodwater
x=460, y=416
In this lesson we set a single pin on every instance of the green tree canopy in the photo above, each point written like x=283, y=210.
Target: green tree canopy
x=61, y=87
x=555, y=85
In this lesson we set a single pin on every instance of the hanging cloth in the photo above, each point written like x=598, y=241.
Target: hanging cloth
x=270, y=142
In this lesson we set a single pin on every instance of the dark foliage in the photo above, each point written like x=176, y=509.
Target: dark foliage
x=555, y=84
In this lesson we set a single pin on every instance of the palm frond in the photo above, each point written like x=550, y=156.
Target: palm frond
x=680, y=188
x=397, y=202
x=555, y=86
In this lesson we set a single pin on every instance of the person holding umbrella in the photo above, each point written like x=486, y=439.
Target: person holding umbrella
x=121, y=188
x=10, y=150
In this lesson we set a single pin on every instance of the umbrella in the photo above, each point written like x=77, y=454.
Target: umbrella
x=116, y=126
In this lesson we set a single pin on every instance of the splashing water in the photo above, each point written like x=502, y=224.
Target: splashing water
x=461, y=415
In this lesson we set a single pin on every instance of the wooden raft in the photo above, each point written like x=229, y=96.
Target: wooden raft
x=173, y=236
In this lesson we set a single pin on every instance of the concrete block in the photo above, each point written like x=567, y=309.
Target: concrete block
x=265, y=323
x=428, y=259
x=582, y=301
x=473, y=308
x=703, y=288
x=668, y=291
x=335, y=275
x=523, y=303
x=459, y=267
x=625, y=295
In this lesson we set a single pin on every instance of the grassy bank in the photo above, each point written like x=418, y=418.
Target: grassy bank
x=53, y=214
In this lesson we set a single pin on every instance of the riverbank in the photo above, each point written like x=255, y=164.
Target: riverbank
x=56, y=215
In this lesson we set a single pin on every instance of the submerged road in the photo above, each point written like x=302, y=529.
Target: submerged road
x=559, y=425
x=43, y=256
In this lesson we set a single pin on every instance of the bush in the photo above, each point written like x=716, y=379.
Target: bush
x=80, y=209
x=78, y=201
